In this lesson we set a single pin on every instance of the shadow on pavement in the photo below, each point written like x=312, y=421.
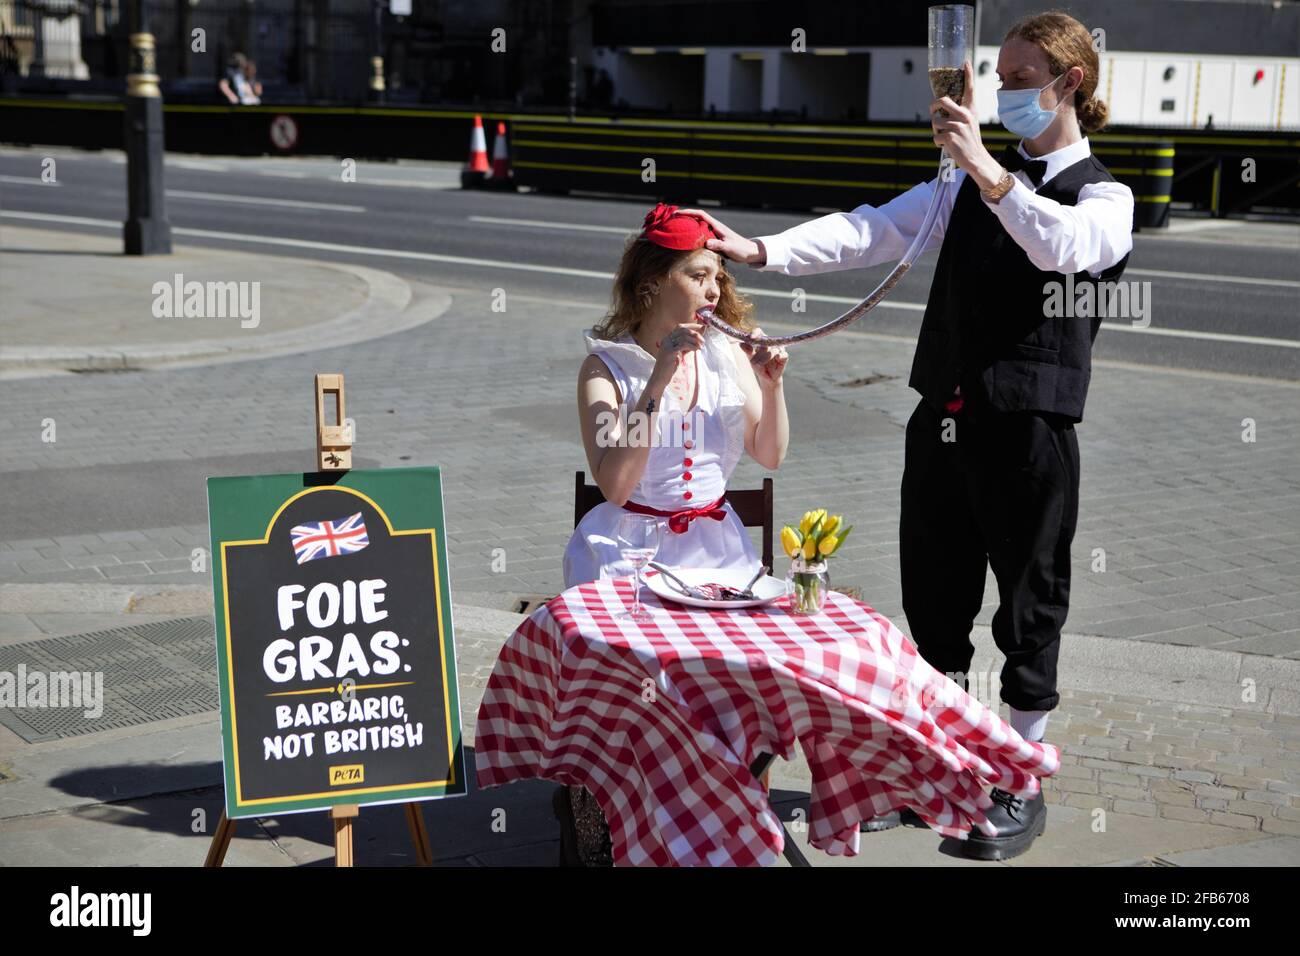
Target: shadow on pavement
x=503, y=826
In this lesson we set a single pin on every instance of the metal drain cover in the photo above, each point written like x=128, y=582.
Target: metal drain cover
x=151, y=672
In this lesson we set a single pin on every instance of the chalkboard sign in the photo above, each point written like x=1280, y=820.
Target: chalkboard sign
x=334, y=640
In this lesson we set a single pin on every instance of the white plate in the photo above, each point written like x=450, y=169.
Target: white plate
x=766, y=589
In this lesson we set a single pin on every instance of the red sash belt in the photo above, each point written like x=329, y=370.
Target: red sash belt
x=679, y=521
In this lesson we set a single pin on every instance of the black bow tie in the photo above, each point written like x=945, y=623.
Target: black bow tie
x=1014, y=162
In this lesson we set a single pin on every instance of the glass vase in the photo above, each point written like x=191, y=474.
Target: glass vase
x=806, y=584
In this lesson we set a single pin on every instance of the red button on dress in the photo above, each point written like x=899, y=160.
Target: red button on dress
x=688, y=443
x=686, y=495
x=686, y=475
x=687, y=462
x=686, y=426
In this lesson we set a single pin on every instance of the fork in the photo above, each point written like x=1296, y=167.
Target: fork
x=747, y=592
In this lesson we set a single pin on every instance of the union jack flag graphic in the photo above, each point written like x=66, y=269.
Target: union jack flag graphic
x=327, y=539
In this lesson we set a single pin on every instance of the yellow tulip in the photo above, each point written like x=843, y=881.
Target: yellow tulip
x=827, y=544
x=806, y=522
x=809, y=549
x=790, y=541
x=830, y=524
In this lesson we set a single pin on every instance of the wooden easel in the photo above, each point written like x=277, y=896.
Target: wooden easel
x=333, y=453
x=333, y=442
x=342, y=815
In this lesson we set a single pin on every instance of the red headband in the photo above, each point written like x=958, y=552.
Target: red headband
x=665, y=226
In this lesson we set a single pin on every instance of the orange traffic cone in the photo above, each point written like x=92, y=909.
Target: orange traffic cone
x=502, y=175
x=475, y=171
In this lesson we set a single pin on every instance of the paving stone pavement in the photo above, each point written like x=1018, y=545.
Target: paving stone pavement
x=1142, y=782
x=1187, y=534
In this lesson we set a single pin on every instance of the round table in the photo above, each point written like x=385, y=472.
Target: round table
x=662, y=721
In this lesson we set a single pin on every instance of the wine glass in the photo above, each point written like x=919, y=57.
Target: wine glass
x=638, y=543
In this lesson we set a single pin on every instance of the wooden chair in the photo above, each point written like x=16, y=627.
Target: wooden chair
x=752, y=506
x=754, y=509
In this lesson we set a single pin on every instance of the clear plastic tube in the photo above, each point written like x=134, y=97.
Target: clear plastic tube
x=871, y=301
x=951, y=46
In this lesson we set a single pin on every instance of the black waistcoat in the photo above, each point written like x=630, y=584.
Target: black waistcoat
x=987, y=325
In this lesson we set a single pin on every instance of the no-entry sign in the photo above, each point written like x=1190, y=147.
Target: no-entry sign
x=284, y=132
x=334, y=640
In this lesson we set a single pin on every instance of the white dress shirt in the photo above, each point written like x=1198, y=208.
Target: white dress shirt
x=1092, y=235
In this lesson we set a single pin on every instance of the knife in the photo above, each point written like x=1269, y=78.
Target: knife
x=681, y=585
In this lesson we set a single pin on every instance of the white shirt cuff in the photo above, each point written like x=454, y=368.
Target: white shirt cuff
x=778, y=254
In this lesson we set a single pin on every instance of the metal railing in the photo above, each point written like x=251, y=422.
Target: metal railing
x=305, y=50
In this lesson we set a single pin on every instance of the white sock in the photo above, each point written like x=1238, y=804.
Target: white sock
x=1030, y=724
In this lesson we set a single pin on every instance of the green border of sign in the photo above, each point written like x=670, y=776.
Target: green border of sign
x=242, y=510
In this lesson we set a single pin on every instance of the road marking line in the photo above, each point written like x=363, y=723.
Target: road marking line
x=52, y=217
x=574, y=226
x=260, y=201
x=911, y=340
x=197, y=164
x=408, y=183
x=26, y=181
x=1211, y=277
x=1177, y=226
x=596, y=274
x=330, y=176
x=583, y=227
x=1205, y=336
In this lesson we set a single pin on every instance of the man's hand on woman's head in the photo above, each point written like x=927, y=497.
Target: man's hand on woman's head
x=732, y=245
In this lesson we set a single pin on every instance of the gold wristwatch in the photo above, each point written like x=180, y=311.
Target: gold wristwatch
x=1000, y=188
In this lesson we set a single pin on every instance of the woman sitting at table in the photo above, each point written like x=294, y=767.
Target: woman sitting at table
x=706, y=401
x=651, y=361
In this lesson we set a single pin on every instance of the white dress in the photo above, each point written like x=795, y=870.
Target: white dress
x=694, y=454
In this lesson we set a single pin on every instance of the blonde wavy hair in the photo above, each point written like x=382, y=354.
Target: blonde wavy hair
x=645, y=263
x=1067, y=43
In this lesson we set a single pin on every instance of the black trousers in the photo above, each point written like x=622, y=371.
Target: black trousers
x=1003, y=492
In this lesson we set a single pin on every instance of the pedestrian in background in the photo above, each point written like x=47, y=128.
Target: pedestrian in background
x=238, y=86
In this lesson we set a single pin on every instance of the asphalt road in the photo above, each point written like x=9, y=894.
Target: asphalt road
x=1224, y=300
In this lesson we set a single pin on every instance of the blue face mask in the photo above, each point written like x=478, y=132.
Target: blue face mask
x=1019, y=112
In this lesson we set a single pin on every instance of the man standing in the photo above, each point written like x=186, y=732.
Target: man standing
x=991, y=461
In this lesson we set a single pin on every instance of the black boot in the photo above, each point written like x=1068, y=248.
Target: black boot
x=1018, y=822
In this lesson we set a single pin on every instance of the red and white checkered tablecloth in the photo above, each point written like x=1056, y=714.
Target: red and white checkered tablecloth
x=661, y=721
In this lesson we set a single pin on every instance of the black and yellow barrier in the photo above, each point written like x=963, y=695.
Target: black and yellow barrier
x=1146, y=167
x=775, y=165
x=796, y=166
x=1227, y=173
